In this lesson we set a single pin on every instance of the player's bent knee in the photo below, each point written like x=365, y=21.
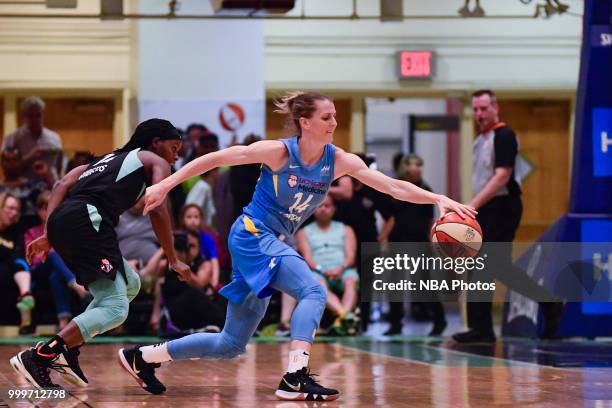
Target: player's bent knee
x=228, y=349
x=133, y=289
x=316, y=292
x=118, y=312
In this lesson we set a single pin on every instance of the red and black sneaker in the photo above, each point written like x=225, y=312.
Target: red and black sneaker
x=67, y=364
x=34, y=367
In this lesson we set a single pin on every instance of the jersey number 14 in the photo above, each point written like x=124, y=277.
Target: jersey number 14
x=298, y=206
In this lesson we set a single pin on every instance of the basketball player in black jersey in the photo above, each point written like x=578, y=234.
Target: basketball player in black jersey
x=83, y=210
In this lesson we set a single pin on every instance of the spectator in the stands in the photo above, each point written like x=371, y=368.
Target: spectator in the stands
x=412, y=223
x=135, y=234
x=329, y=248
x=13, y=268
x=242, y=180
x=191, y=305
x=359, y=213
x=35, y=142
x=27, y=190
x=192, y=219
x=192, y=141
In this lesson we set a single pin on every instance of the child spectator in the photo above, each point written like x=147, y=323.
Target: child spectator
x=191, y=218
x=191, y=305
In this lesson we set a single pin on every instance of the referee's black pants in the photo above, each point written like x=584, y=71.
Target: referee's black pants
x=499, y=220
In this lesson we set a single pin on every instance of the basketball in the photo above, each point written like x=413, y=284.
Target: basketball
x=457, y=237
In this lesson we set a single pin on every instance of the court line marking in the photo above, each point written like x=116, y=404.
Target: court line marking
x=517, y=363
x=443, y=350
x=513, y=363
x=78, y=399
x=405, y=360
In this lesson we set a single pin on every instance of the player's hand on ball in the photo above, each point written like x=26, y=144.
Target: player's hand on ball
x=154, y=196
x=40, y=246
x=183, y=270
x=446, y=205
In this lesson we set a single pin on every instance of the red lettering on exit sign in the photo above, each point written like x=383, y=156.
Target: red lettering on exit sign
x=415, y=64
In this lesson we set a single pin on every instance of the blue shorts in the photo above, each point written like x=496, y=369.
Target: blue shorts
x=256, y=254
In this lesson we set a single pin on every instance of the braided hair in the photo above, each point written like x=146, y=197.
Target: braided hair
x=148, y=130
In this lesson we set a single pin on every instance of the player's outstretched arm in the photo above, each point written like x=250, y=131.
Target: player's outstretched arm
x=158, y=169
x=269, y=152
x=352, y=165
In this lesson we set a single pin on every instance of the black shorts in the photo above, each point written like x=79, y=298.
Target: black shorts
x=86, y=240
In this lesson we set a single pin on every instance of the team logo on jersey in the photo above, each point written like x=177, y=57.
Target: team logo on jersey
x=106, y=266
x=292, y=180
x=325, y=169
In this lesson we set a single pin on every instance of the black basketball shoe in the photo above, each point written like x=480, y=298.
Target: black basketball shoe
x=144, y=373
x=67, y=364
x=34, y=367
x=301, y=386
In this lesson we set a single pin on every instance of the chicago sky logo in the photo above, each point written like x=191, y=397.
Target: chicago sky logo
x=602, y=142
x=292, y=180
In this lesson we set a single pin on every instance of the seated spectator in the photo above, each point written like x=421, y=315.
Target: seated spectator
x=329, y=248
x=137, y=240
x=191, y=305
x=191, y=218
x=35, y=142
x=13, y=266
x=54, y=269
x=26, y=190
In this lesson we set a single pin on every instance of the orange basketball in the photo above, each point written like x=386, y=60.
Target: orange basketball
x=457, y=237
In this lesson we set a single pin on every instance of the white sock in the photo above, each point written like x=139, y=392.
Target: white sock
x=298, y=359
x=157, y=353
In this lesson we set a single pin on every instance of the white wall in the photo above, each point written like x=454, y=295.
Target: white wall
x=189, y=69
x=387, y=120
x=63, y=54
x=470, y=53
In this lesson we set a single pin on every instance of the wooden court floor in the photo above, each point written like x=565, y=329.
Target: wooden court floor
x=406, y=373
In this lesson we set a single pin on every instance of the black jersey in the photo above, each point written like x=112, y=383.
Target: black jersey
x=82, y=228
x=112, y=183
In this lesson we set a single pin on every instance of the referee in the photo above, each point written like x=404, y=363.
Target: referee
x=497, y=197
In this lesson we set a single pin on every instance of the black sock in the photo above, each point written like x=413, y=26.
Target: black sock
x=51, y=348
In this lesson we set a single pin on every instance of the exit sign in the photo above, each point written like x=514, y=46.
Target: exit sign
x=415, y=64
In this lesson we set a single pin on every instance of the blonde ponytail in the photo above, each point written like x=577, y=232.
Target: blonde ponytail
x=297, y=104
